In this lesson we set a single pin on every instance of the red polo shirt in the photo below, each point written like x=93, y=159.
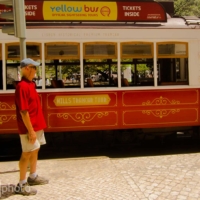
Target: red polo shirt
x=26, y=98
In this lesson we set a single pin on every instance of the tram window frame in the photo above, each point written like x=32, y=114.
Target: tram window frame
x=29, y=45
x=100, y=77
x=70, y=81
x=132, y=75
x=61, y=53
x=98, y=54
x=140, y=75
x=137, y=52
x=14, y=76
x=100, y=60
x=14, y=62
x=176, y=60
x=62, y=57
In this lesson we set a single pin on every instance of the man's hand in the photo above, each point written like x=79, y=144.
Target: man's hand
x=27, y=122
x=32, y=137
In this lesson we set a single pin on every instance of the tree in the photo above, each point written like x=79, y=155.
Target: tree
x=187, y=8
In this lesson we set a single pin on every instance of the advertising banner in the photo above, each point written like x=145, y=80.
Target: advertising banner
x=93, y=11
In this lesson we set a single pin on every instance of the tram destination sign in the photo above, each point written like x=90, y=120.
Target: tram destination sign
x=135, y=11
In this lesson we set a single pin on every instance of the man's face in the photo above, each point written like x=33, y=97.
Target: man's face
x=29, y=72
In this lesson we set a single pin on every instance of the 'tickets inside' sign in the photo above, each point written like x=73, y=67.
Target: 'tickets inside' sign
x=93, y=11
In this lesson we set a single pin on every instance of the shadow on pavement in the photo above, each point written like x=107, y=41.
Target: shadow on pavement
x=102, y=143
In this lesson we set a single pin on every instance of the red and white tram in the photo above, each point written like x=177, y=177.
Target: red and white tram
x=108, y=75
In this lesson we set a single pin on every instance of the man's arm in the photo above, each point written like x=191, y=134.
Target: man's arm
x=27, y=122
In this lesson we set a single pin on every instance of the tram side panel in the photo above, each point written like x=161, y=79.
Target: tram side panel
x=160, y=108
x=122, y=109
x=82, y=111
x=8, y=123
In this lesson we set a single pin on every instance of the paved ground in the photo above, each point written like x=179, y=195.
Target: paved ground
x=164, y=177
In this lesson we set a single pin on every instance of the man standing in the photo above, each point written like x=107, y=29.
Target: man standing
x=31, y=123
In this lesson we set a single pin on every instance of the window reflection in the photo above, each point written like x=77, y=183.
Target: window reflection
x=172, y=63
x=100, y=73
x=138, y=72
x=62, y=73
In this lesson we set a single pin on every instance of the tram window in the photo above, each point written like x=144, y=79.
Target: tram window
x=12, y=75
x=138, y=72
x=101, y=49
x=172, y=49
x=100, y=73
x=62, y=50
x=38, y=77
x=173, y=71
x=137, y=63
x=172, y=63
x=106, y=50
x=13, y=51
x=62, y=73
x=136, y=49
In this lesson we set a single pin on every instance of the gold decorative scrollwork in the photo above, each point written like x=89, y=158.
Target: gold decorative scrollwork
x=5, y=118
x=82, y=117
x=5, y=106
x=160, y=113
x=161, y=101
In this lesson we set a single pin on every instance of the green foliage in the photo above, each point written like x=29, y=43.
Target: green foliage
x=187, y=8
x=91, y=68
x=142, y=67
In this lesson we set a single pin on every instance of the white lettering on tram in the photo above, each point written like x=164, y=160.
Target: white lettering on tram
x=30, y=13
x=134, y=8
x=30, y=7
x=30, y=10
x=131, y=14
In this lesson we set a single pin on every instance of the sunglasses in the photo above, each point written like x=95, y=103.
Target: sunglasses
x=33, y=67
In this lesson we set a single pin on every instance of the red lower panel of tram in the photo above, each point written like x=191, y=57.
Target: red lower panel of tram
x=81, y=111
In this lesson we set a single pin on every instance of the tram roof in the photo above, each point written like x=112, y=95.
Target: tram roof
x=185, y=22
x=176, y=22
